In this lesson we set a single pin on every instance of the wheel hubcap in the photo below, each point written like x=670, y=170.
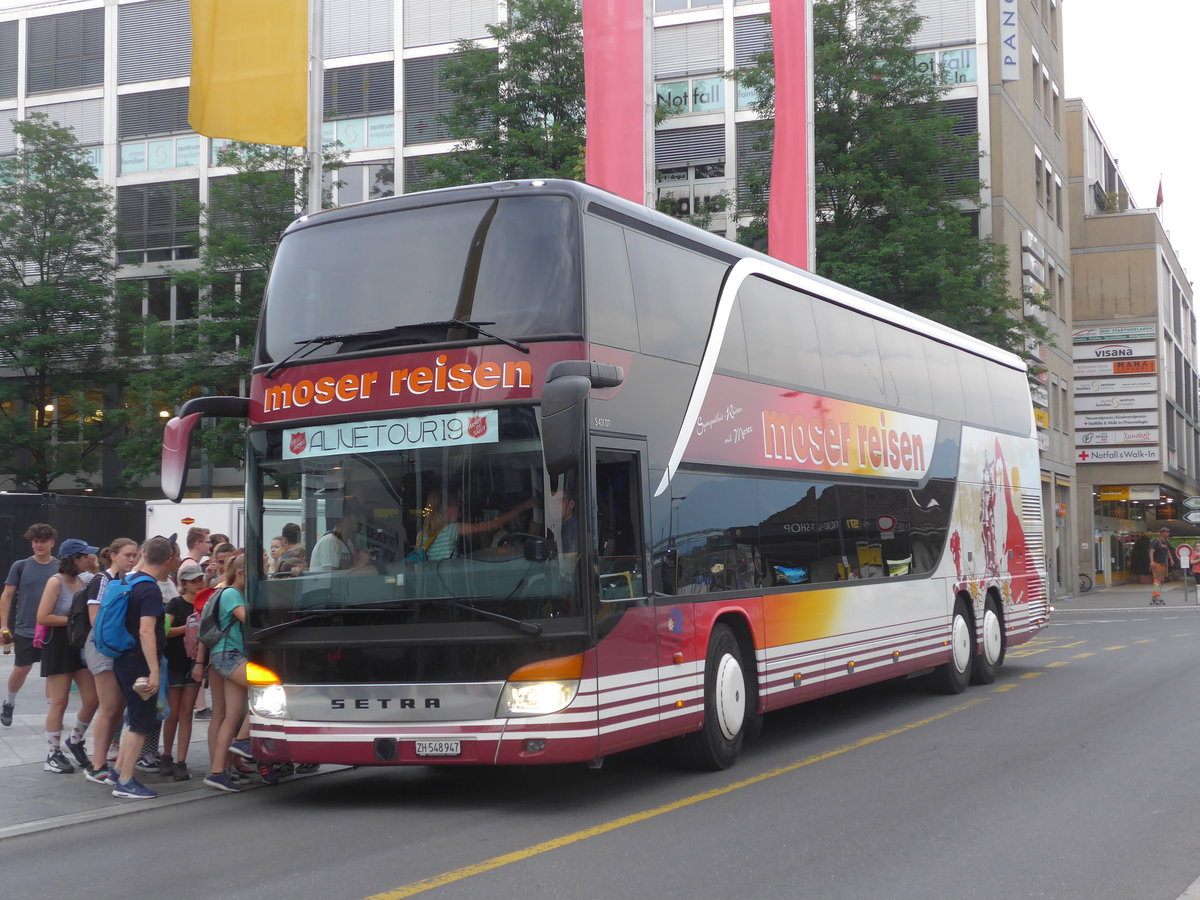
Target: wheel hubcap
x=960, y=640
x=730, y=696
x=993, y=639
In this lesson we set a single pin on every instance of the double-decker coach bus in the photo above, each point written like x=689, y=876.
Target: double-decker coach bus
x=574, y=477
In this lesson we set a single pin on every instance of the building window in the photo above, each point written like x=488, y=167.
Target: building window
x=357, y=183
x=157, y=222
x=65, y=51
x=1038, y=169
x=426, y=100
x=359, y=90
x=8, y=59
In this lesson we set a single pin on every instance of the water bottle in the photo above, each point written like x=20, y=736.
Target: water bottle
x=6, y=642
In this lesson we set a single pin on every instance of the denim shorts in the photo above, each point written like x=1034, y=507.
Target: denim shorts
x=226, y=661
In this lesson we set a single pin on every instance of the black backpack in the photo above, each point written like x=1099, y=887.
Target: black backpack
x=79, y=624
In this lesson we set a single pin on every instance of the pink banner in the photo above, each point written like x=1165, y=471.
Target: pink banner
x=789, y=226
x=614, y=74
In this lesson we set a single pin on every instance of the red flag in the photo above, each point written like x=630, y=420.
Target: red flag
x=615, y=90
x=1158, y=202
x=789, y=218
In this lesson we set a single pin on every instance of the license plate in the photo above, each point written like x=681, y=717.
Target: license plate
x=438, y=748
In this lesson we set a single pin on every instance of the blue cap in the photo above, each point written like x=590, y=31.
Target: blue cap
x=72, y=546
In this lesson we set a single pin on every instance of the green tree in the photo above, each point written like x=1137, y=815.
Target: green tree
x=57, y=261
x=518, y=111
x=890, y=218
x=244, y=219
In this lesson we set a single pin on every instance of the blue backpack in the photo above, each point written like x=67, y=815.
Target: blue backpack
x=111, y=636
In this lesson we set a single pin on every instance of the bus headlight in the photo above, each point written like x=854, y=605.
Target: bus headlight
x=268, y=701
x=536, y=698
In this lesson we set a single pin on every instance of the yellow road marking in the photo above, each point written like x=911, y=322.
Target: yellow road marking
x=1116, y=647
x=1069, y=646
x=1055, y=665
x=1003, y=688
x=1145, y=641
x=1082, y=655
x=1033, y=674
x=496, y=862
x=1021, y=654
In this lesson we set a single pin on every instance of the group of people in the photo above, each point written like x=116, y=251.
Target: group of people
x=152, y=686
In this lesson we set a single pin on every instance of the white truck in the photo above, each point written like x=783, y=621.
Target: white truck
x=220, y=515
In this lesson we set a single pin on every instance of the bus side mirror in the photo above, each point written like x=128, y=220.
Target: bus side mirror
x=564, y=422
x=178, y=434
x=564, y=412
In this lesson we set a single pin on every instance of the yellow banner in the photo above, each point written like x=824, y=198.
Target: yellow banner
x=250, y=70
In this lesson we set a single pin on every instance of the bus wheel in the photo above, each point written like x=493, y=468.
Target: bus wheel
x=716, y=745
x=992, y=654
x=952, y=677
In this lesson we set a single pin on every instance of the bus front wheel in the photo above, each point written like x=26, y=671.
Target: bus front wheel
x=717, y=744
x=953, y=676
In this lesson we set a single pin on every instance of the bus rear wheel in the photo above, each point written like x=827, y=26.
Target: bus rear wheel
x=953, y=676
x=991, y=654
x=717, y=744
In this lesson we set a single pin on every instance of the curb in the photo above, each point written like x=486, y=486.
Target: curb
x=54, y=823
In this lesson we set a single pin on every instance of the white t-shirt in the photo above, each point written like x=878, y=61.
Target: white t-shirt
x=329, y=553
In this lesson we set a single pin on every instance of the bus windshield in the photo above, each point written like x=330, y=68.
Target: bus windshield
x=424, y=519
x=511, y=262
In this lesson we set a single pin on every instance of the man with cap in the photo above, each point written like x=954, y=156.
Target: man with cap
x=26, y=582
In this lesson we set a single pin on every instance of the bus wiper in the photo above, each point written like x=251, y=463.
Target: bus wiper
x=476, y=327
x=310, y=345
x=531, y=628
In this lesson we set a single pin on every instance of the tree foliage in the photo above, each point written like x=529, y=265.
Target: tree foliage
x=57, y=262
x=244, y=218
x=518, y=110
x=890, y=215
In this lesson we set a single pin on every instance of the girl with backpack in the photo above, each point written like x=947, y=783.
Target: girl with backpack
x=62, y=664
x=227, y=676
x=182, y=683
x=121, y=556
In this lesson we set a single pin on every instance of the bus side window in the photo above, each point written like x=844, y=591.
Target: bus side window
x=619, y=525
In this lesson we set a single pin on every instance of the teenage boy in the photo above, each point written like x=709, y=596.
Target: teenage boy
x=198, y=546
x=26, y=580
x=144, y=620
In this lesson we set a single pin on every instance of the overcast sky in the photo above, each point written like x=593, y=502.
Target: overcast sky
x=1134, y=66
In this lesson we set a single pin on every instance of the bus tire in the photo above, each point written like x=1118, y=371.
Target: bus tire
x=991, y=653
x=717, y=744
x=953, y=676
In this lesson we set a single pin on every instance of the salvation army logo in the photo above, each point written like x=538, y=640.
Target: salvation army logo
x=299, y=442
x=477, y=426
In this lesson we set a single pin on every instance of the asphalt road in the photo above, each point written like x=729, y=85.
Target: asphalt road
x=1073, y=776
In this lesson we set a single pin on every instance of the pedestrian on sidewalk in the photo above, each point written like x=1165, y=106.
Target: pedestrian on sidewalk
x=1162, y=560
x=183, y=685
x=119, y=557
x=228, y=674
x=144, y=619
x=63, y=664
x=18, y=609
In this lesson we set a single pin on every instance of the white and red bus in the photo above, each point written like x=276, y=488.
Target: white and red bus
x=574, y=477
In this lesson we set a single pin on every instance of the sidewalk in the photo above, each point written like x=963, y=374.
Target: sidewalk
x=36, y=800
x=1130, y=596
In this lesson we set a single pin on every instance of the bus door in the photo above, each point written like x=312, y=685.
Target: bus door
x=627, y=645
